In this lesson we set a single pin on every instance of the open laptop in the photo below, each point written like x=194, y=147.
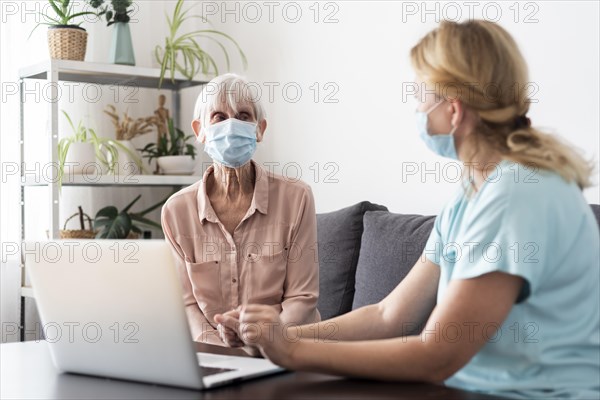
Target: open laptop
x=114, y=308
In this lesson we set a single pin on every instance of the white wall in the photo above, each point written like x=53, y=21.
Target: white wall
x=362, y=141
x=370, y=133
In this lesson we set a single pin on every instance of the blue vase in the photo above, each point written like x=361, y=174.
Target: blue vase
x=121, y=49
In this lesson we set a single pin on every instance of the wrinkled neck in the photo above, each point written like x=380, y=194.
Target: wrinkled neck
x=232, y=183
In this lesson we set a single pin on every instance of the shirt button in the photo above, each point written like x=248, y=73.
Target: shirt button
x=234, y=280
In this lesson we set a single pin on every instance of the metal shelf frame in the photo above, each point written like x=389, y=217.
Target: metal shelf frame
x=54, y=71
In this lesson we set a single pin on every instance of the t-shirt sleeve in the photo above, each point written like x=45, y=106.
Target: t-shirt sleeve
x=506, y=233
x=433, y=247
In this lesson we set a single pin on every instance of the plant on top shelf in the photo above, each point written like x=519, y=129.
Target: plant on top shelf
x=67, y=40
x=182, y=52
x=172, y=152
x=111, y=223
x=118, y=11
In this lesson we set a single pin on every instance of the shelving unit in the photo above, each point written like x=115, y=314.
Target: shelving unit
x=55, y=71
x=114, y=180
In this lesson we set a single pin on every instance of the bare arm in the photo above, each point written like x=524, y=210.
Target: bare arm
x=405, y=309
x=475, y=302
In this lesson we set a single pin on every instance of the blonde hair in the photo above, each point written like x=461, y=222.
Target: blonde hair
x=479, y=63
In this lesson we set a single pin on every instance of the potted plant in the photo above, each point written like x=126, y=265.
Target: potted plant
x=112, y=224
x=127, y=129
x=173, y=155
x=117, y=13
x=83, y=149
x=67, y=40
x=183, y=53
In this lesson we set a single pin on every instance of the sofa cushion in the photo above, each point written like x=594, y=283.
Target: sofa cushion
x=339, y=234
x=390, y=246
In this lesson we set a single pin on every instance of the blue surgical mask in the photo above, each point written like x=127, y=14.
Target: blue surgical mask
x=231, y=142
x=442, y=144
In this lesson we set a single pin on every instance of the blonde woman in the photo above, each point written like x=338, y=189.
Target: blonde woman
x=505, y=297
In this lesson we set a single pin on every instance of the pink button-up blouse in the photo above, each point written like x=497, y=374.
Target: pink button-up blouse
x=270, y=259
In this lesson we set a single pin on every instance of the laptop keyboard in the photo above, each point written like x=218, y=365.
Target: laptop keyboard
x=206, y=371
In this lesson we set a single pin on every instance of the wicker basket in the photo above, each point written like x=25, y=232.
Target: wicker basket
x=67, y=43
x=77, y=233
x=85, y=233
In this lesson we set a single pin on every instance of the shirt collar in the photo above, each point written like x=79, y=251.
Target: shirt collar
x=260, y=197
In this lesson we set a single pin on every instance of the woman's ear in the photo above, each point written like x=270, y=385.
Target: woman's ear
x=197, y=128
x=458, y=112
x=262, y=127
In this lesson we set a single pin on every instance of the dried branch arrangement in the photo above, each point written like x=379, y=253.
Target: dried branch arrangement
x=128, y=128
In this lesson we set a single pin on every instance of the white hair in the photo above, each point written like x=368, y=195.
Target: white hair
x=232, y=89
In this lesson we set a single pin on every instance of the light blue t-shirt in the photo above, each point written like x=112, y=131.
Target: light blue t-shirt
x=533, y=224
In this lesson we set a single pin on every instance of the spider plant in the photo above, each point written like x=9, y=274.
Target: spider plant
x=106, y=150
x=183, y=53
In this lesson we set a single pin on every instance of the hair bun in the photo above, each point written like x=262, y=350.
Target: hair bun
x=522, y=122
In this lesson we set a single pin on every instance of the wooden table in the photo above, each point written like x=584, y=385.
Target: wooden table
x=27, y=372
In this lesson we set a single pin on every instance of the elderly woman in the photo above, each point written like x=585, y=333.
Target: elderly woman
x=241, y=234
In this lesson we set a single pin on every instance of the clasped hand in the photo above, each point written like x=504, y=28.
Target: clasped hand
x=256, y=328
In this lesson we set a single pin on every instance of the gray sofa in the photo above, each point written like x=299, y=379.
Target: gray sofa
x=365, y=251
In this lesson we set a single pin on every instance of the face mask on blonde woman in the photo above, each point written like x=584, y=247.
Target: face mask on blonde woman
x=491, y=305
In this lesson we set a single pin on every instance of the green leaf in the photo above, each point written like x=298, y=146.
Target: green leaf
x=163, y=68
x=155, y=206
x=118, y=226
x=70, y=121
x=79, y=15
x=218, y=44
x=109, y=212
x=115, y=144
x=145, y=221
x=131, y=204
x=37, y=26
x=214, y=64
x=191, y=150
x=101, y=223
x=173, y=68
x=56, y=9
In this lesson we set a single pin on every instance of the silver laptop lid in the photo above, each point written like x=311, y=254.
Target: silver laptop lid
x=113, y=308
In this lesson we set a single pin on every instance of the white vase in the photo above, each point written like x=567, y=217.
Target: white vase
x=81, y=159
x=176, y=165
x=126, y=165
